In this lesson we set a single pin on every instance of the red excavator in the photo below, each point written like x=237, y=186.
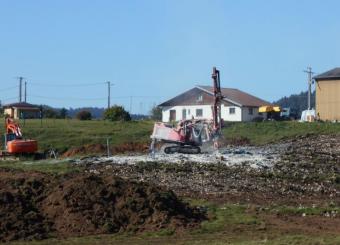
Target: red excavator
x=189, y=135
x=15, y=144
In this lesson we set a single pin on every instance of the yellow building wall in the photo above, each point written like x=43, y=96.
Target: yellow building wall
x=328, y=100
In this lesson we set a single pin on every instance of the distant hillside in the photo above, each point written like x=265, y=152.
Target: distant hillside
x=297, y=102
x=95, y=111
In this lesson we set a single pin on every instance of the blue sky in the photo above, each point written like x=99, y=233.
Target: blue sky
x=154, y=49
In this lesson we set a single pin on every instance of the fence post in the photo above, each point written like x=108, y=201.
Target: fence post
x=108, y=147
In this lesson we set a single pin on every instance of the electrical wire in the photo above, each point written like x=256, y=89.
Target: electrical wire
x=51, y=84
x=64, y=98
x=7, y=99
x=9, y=88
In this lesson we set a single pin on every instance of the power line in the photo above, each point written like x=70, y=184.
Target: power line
x=65, y=98
x=12, y=98
x=9, y=88
x=66, y=84
x=20, y=88
x=25, y=96
x=310, y=73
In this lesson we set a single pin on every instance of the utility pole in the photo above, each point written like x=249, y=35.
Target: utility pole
x=108, y=94
x=130, y=104
x=309, y=74
x=20, y=88
x=25, y=91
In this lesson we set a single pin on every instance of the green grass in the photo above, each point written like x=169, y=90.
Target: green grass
x=63, y=134
x=47, y=166
x=222, y=217
x=260, y=133
x=288, y=210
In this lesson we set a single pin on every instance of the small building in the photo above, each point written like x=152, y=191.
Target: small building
x=22, y=110
x=237, y=106
x=327, y=98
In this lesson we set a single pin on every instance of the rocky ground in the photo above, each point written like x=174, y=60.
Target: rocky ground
x=301, y=171
x=292, y=187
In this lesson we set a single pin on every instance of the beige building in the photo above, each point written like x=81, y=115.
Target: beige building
x=22, y=110
x=328, y=95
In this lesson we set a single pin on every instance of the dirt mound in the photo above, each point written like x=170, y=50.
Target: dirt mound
x=85, y=149
x=19, y=215
x=101, y=149
x=34, y=206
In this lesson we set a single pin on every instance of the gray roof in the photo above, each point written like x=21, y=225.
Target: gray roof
x=331, y=74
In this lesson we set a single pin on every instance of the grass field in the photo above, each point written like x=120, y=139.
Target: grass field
x=260, y=133
x=63, y=134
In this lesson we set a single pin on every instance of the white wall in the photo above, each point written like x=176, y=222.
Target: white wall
x=236, y=117
x=190, y=111
x=241, y=113
x=246, y=117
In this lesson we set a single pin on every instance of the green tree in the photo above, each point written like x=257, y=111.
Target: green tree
x=84, y=115
x=156, y=113
x=63, y=113
x=117, y=113
x=49, y=113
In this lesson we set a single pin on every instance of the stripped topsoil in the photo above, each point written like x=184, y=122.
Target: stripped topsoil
x=306, y=171
x=102, y=149
x=36, y=206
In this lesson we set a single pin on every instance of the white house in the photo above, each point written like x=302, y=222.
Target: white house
x=197, y=103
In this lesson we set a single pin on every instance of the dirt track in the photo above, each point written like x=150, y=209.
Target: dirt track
x=35, y=205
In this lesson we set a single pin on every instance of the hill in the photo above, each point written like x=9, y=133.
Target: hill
x=297, y=102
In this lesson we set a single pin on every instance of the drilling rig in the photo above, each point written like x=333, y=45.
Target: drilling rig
x=189, y=135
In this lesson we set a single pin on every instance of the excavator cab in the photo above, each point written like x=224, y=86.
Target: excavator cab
x=14, y=142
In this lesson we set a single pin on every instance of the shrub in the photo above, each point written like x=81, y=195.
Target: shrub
x=156, y=113
x=117, y=113
x=84, y=115
x=49, y=113
x=63, y=113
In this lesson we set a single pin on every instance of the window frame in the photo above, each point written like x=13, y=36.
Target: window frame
x=250, y=111
x=196, y=112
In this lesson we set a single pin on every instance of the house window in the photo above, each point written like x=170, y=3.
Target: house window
x=188, y=111
x=250, y=111
x=232, y=110
x=199, y=112
x=199, y=98
x=172, y=115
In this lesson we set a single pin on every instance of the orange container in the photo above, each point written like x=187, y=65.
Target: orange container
x=22, y=146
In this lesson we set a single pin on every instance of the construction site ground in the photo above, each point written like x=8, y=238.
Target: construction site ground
x=287, y=192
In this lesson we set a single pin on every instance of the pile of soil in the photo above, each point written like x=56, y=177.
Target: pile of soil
x=36, y=205
x=101, y=149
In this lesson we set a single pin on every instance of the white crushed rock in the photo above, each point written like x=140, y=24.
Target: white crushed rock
x=255, y=157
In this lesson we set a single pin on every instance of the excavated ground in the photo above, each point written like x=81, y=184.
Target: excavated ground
x=305, y=170
x=36, y=206
x=130, y=192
